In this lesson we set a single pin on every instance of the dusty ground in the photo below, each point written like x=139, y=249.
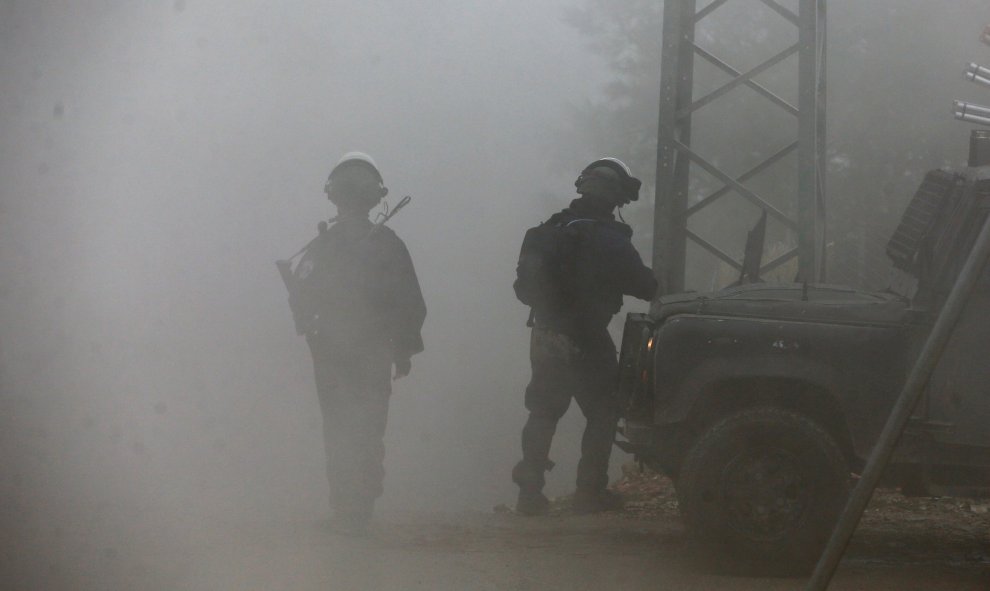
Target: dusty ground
x=903, y=544
x=895, y=530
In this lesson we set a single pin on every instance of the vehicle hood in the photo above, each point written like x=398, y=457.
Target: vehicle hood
x=789, y=301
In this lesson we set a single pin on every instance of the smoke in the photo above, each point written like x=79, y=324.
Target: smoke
x=157, y=158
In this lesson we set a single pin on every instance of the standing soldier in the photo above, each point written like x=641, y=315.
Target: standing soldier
x=355, y=297
x=573, y=271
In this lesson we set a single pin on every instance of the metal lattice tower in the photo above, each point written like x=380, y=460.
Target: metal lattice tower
x=676, y=154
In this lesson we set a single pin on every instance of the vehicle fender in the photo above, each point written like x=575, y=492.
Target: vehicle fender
x=700, y=382
x=696, y=355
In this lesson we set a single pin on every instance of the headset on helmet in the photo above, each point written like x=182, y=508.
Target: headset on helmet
x=630, y=184
x=357, y=159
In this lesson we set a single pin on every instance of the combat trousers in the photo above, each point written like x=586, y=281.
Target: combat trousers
x=563, y=369
x=353, y=385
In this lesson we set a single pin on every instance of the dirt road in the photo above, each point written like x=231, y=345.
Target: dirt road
x=899, y=548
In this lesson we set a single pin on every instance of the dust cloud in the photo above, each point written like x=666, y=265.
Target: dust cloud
x=157, y=158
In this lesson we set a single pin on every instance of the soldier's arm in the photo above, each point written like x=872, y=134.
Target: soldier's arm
x=409, y=306
x=639, y=279
x=630, y=274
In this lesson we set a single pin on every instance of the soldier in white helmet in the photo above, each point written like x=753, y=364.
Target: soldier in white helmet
x=356, y=298
x=573, y=271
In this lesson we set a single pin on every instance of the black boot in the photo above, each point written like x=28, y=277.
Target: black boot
x=532, y=503
x=530, y=479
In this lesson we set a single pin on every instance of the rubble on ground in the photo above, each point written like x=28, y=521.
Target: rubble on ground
x=648, y=494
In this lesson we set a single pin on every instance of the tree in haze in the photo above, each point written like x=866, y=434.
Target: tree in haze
x=625, y=35
x=888, y=113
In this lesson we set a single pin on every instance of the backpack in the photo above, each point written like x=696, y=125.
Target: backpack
x=547, y=275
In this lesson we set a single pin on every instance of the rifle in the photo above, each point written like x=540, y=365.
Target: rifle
x=284, y=266
x=386, y=215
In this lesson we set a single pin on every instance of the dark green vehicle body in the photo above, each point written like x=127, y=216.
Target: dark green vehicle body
x=833, y=356
x=833, y=353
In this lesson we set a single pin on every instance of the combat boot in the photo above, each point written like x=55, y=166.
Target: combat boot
x=596, y=501
x=532, y=503
x=530, y=479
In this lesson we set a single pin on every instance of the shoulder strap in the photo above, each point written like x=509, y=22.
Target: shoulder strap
x=321, y=232
x=579, y=221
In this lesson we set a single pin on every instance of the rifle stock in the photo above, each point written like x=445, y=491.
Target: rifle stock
x=285, y=271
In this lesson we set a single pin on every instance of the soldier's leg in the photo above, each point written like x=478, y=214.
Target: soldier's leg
x=361, y=441
x=597, y=401
x=353, y=388
x=546, y=402
x=547, y=397
x=330, y=390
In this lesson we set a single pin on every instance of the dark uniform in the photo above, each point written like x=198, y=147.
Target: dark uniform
x=358, y=300
x=573, y=355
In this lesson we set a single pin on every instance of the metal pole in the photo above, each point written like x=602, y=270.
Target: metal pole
x=908, y=399
x=821, y=211
x=809, y=137
x=676, y=89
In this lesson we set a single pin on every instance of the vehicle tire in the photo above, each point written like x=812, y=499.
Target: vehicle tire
x=766, y=486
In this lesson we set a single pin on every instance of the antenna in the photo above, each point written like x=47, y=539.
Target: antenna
x=978, y=74
x=971, y=112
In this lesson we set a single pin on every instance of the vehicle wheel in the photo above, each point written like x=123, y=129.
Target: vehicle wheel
x=765, y=485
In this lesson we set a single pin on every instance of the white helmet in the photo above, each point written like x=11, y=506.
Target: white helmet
x=364, y=161
x=355, y=157
x=628, y=183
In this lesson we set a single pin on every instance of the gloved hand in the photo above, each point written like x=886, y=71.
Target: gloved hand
x=402, y=367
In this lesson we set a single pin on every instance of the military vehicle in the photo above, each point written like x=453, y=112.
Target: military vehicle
x=762, y=401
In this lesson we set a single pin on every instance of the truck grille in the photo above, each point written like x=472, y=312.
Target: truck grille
x=934, y=197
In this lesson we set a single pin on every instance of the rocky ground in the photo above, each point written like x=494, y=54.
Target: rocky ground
x=895, y=529
x=902, y=545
